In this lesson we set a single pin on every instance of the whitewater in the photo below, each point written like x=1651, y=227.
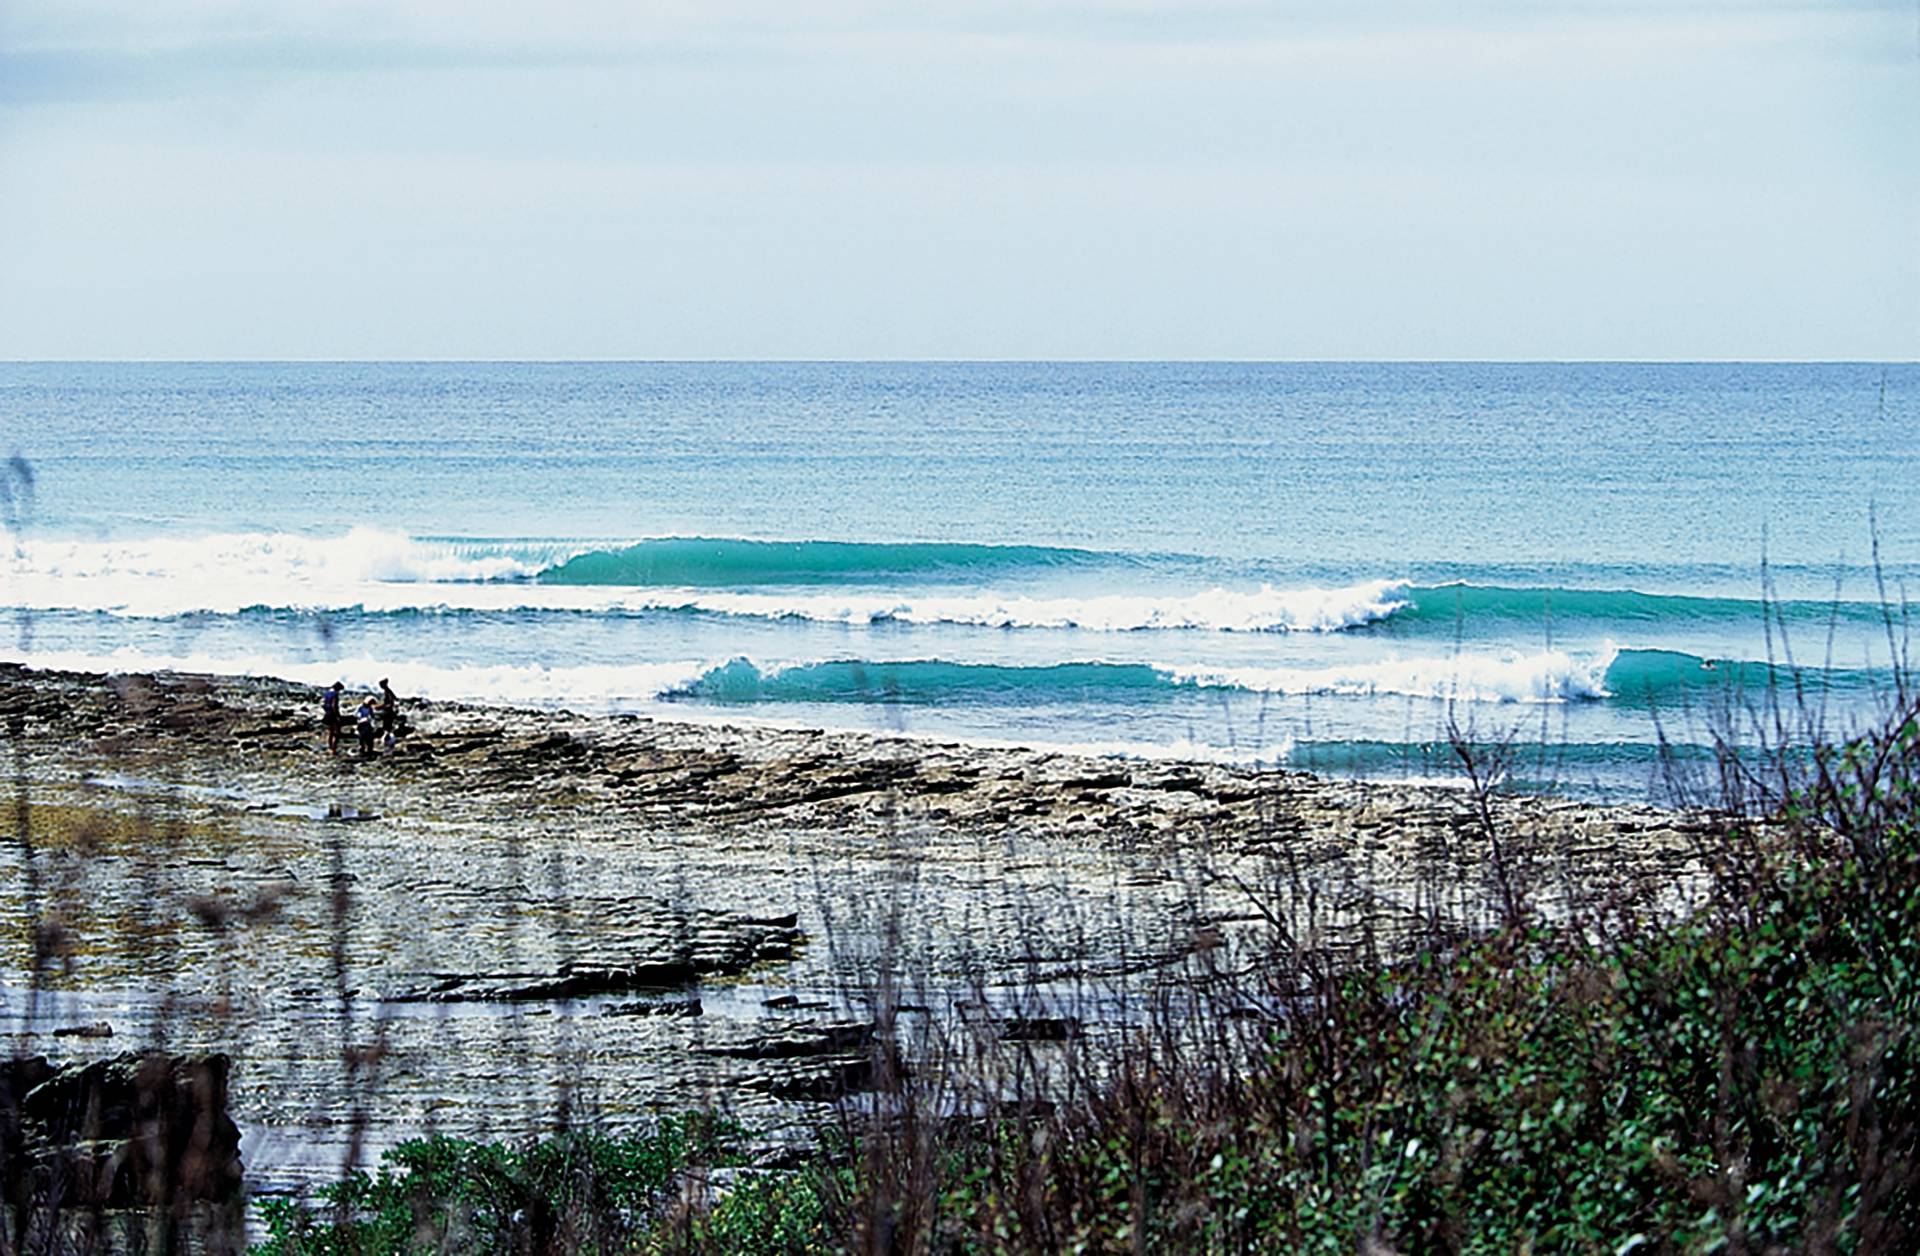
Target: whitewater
x=1340, y=567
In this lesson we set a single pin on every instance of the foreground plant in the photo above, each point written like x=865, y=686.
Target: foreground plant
x=582, y=1192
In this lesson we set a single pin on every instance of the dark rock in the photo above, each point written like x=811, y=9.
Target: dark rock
x=799, y=1043
x=782, y=1159
x=569, y=983
x=837, y=1082
x=99, y=1030
x=663, y=1007
x=286, y=728
x=1097, y=780
x=1039, y=1028
x=133, y=1131
x=17, y=1078
x=793, y=1003
x=720, y=946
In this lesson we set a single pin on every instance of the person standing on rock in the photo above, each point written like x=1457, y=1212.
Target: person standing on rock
x=363, y=726
x=389, y=713
x=330, y=716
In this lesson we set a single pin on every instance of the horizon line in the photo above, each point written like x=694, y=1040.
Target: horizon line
x=956, y=361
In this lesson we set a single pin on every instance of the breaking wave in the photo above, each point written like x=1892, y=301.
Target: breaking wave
x=380, y=572
x=1546, y=676
x=371, y=571
x=1521, y=605
x=702, y=562
x=1549, y=676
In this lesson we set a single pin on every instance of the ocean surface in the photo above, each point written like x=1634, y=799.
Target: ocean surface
x=1341, y=567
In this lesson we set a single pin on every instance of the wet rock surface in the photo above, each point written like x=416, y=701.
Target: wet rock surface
x=543, y=911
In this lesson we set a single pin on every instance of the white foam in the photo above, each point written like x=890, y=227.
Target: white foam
x=594, y=686
x=1180, y=749
x=1266, y=609
x=228, y=572
x=383, y=572
x=1509, y=676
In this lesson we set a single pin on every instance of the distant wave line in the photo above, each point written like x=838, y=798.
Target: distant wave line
x=374, y=571
x=1385, y=605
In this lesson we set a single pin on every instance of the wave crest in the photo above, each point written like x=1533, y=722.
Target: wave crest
x=1547, y=676
x=703, y=562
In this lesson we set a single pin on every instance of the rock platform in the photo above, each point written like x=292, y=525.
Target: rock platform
x=522, y=916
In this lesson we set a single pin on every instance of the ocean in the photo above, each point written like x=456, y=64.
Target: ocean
x=1340, y=567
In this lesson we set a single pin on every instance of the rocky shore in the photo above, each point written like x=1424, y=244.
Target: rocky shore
x=518, y=914
x=654, y=773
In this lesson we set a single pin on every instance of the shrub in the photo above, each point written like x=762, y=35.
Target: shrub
x=579, y=1192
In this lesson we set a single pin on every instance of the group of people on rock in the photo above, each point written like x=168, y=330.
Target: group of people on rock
x=376, y=718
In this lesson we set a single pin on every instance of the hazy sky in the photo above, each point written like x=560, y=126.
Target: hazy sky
x=959, y=178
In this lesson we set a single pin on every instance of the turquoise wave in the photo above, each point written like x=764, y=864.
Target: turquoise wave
x=722, y=561
x=1677, y=773
x=927, y=681
x=1361, y=757
x=1451, y=604
x=1635, y=677
x=1638, y=675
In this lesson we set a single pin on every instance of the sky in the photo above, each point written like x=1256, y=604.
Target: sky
x=1367, y=179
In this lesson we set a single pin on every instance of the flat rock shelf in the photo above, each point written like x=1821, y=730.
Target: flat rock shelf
x=520, y=917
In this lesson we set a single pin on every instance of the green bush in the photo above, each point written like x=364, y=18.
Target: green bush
x=582, y=1192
